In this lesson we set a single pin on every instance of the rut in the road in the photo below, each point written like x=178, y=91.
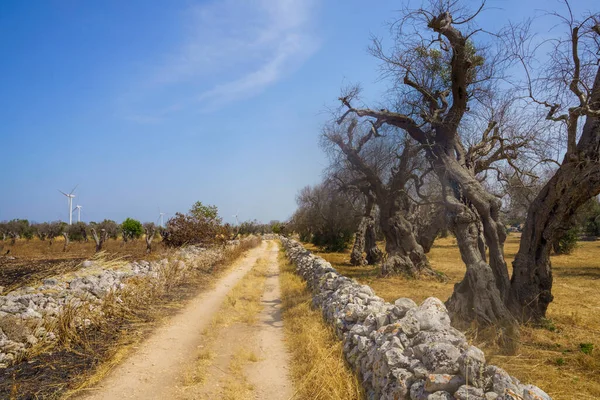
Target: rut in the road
x=158, y=368
x=244, y=355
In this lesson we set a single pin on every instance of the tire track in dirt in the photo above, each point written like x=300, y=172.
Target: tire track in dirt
x=153, y=371
x=249, y=359
x=270, y=375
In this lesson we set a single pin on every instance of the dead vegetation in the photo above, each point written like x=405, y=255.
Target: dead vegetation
x=318, y=368
x=84, y=353
x=558, y=354
x=30, y=261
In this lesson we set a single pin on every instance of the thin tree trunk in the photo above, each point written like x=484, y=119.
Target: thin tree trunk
x=149, y=236
x=374, y=254
x=99, y=239
x=66, y=236
x=356, y=256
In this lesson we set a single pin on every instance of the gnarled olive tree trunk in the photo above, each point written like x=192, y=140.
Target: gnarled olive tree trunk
x=356, y=256
x=374, y=254
x=365, y=239
x=474, y=219
x=428, y=225
x=404, y=254
x=575, y=182
x=477, y=296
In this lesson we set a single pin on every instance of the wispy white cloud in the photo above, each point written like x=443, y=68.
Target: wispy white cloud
x=234, y=50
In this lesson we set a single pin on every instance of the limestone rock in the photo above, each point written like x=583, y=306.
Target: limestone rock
x=472, y=366
x=531, y=392
x=402, y=305
x=443, y=382
x=441, y=395
x=466, y=392
x=441, y=358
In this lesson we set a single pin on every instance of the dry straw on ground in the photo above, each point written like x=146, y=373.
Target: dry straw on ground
x=318, y=368
x=562, y=354
x=31, y=261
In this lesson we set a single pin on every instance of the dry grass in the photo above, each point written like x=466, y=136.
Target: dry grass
x=242, y=303
x=196, y=374
x=38, y=249
x=236, y=385
x=318, y=368
x=550, y=356
x=36, y=260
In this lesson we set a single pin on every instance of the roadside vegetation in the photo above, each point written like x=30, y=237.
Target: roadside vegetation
x=318, y=368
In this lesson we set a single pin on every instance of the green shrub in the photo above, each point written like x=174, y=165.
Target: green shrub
x=567, y=243
x=132, y=228
x=332, y=241
x=586, y=348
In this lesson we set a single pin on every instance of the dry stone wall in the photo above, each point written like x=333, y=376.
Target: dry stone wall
x=403, y=350
x=26, y=314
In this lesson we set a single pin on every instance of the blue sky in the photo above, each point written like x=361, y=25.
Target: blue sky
x=158, y=104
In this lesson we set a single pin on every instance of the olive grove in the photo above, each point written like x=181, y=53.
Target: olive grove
x=473, y=118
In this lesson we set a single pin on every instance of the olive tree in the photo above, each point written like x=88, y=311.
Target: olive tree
x=445, y=88
x=385, y=166
x=325, y=217
x=568, y=92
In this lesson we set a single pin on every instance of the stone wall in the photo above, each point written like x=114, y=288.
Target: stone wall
x=28, y=313
x=403, y=350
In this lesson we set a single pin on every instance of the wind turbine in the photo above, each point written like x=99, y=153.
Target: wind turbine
x=70, y=197
x=78, y=208
x=161, y=218
x=237, y=222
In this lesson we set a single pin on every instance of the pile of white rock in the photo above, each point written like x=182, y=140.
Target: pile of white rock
x=27, y=313
x=403, y=350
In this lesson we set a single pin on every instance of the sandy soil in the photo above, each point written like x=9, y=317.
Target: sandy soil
x=156, y=369
x=270, y=375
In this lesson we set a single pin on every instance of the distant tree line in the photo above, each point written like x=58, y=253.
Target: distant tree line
x=201, y=225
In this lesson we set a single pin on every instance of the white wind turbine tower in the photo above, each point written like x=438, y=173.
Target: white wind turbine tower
x=70, y=197
x=161, y=216
x=78, y=208
x=237, y=222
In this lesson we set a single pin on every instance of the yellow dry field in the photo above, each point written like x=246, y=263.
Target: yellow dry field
x=557, y=356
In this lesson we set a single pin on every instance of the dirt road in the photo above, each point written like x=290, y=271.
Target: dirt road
x=155, y=370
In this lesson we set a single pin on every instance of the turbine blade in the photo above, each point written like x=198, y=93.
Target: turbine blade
x=63, y=192
x=74, y=188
